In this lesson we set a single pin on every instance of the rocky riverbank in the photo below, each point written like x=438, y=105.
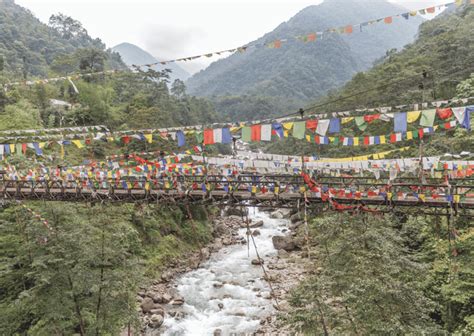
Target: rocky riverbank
x=161, y=298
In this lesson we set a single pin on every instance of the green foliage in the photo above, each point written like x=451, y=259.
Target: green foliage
x=367, y=283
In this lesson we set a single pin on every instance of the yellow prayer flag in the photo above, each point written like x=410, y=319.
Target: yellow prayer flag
x=277, y=190
x=308, y=138
x=456, y=198
x=235, y=129
x=347, y=119
x=12, y=148
x=42, y=144
x=389, y=195
x=78, y=143
x=410, y=135
x=382, y=139
x=110, y=139
x=422, y=197
x=302, y=189
x=288, y=125
x=356, y=141
x=148, y=137
x=413, y=116
x=254, y=189
x=286, y=133
x=376, y=156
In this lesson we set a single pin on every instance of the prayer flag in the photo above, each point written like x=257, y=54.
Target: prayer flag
x=181, y=138
x=322, y=126
x=311, y=124
x=335, y=125
x=348, y=29
x=37, y=148
x=148, y=137
x=266, y=132
x=256, y=132
x=400, y=122
x=209, y=136
x=444, y=113
x=246, y=134
x=361, y=124
x=78, y=143
x=299, y=129
x=413, y=116
x=226, y=136
x=217, y=135
x=427, y=118
x=388, y=20
x=278, y=129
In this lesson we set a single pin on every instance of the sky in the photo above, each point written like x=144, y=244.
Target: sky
x=171, y=29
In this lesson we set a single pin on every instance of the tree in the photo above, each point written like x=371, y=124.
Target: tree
x=367, y=284
x=67, y=27
x=178, y=88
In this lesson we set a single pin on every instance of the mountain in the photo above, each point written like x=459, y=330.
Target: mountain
x=134, y=55
x=300, y=72
x=443, y=48
x=28, y=47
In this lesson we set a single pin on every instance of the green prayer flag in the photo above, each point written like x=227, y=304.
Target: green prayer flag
x=361, y=124
x=199, y=137
x=299, y=129
x=427, y=118
x=18, y=149
x=246, y=134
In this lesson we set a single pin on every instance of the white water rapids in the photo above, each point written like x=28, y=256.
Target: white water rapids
x=228, y=278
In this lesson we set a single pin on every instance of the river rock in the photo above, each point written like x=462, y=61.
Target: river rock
x=256, y=224
x=276, y=214
x=217, y=332
x=205, y=253
x=158, y=310
x=295, y=218
x=178, y=301
x=166, y=298
x=220, y=305
x=221, y=230
x=147, y=305
x=256, y=232
x=283, y=242
x=227, y=241
x=156, y=321
x=283, y=254
x=232, y=211
x=257, y=262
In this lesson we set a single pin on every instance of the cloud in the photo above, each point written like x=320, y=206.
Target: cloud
x=166, y=42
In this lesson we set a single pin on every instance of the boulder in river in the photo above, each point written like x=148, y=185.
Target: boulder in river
x=276, y=214
x=217, y=332
x=147, y=305
x=256, y=224
x=283, y=243
x=256, y=232
x=257, y=262
x=156, y=321
x=178, y=301
x=295, y=218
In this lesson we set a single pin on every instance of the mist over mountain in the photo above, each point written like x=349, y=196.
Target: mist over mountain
x=300, y=72
x=134, y=55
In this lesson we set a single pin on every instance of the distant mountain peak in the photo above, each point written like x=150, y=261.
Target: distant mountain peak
x=134, y=55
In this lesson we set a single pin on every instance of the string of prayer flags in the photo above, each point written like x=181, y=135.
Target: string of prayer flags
x=427, y=118
x=276, y=44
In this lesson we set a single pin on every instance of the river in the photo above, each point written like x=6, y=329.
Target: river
x=227, y=292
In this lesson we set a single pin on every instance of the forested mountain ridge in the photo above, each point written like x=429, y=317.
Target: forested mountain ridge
x=29, y=47
x=299, y=72
x=134, y=55
x=443, y=50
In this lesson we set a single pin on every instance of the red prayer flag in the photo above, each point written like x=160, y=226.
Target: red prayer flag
x=23, y=148
x=208, y=136
x=444, y=113
x=430, y=10
x=366, y=140
x=393, y=138
x=421, y=133
x=388, y=20
x=447, y=125
x=256, y=132
x=348, y=30
x=126, y=139
x=311, y=124
x=312, y=37
x=371, y=117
